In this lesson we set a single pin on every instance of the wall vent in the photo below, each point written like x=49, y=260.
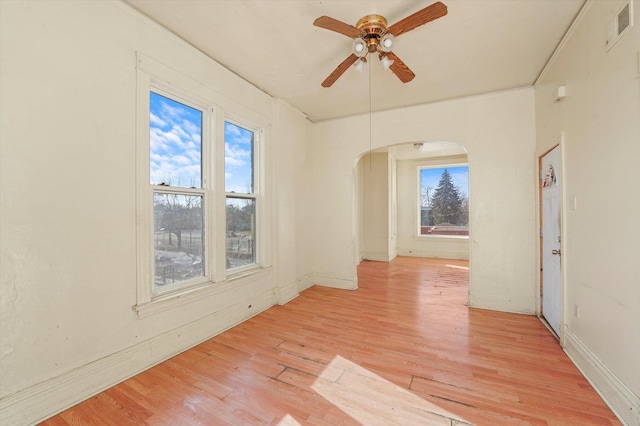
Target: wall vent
x=619, y=24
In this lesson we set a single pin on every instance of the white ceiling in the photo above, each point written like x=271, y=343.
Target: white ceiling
x=481, y=46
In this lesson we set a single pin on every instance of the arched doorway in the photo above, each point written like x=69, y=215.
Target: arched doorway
x=396, y=206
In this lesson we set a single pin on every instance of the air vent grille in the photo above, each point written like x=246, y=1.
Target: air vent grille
x=623, y=19
x=617, y=26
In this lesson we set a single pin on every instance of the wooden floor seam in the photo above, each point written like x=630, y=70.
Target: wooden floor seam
x=403, y=348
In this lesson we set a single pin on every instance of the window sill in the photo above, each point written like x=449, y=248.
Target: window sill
x=243, y=272
x=444, y=237
x=165, y=302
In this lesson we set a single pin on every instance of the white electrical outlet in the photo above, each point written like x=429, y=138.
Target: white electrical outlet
x=576, y=311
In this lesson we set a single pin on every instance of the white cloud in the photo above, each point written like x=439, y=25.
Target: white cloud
x=237, y=135
x=157, y=121
x=234, y=156
x=174, y=153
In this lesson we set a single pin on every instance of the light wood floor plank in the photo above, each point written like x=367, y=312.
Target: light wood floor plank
x=402, y=349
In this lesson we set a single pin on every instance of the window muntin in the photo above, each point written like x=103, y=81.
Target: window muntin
x=443, y=200
x=241, y=196
x=176, y=167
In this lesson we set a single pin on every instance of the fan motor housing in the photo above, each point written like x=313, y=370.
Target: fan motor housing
x=373, y=26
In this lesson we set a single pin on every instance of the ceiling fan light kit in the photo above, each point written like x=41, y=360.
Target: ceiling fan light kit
x=371, y=34
x=359, y=47
x=386, y=62
x=360, y=65
x=386, y=42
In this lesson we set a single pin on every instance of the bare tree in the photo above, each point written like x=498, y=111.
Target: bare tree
x=425, y=196
x=176, y=213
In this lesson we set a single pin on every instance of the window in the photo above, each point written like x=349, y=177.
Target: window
x=179, y=196
x=444, y=201
x=199, y=190
x=240, y=190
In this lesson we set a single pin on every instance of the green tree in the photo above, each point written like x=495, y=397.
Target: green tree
x=446, y=203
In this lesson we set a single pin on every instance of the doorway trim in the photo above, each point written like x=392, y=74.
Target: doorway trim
x=557, y=142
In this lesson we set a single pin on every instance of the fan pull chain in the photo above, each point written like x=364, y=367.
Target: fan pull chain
x=370, y=120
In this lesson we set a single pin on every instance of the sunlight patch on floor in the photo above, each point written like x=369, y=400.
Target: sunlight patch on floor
x=372, y=400
x=466, y=268
x=288, y=421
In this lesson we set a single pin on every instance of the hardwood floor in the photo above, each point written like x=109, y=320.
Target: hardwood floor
x=402, y=349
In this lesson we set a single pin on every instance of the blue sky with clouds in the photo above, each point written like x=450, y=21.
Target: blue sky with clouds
x=175, y=133
x=238, y=174
x=175, y=147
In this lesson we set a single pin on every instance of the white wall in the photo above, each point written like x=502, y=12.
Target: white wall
x=409, y=243
x=294, y=202
x=67, y=211
x=498, y=132
x=392, y=207
x=600, y=118
x=375, y=210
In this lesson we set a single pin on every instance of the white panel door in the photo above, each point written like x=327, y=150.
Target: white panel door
x=551, y=232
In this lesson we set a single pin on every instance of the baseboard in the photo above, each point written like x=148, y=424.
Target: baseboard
x=622, y=401
x=432, y=254
x=393, y=254
x=305, y=282
x=493, y=303
x=344, y=283
x=287, y=293
x=378, y=256
x=43, y=400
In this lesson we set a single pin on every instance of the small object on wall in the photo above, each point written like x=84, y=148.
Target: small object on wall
x=619, y=24
x=561, y=93
x=550, y=178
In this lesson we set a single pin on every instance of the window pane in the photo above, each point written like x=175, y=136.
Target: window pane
x=175, y=135
x=241, y=232
x=179, y=238
x=444, y=201
x=238, y=159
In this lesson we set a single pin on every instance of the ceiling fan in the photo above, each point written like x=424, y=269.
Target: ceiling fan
x=371, y=35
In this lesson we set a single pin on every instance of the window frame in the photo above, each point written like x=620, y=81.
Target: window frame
x=418, y=210
x=257, y=190
x=154, y=76
x=206, y=191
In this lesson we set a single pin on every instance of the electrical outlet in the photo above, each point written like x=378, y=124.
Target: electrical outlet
x=576, y=311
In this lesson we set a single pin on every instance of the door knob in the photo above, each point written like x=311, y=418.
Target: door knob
x=556, y=252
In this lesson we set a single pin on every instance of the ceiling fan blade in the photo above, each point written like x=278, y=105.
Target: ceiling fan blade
x=340, y=69
x=400, y=69
x=337, y=26
x=421, y=17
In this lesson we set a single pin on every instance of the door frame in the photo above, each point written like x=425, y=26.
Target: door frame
x=557, y=142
